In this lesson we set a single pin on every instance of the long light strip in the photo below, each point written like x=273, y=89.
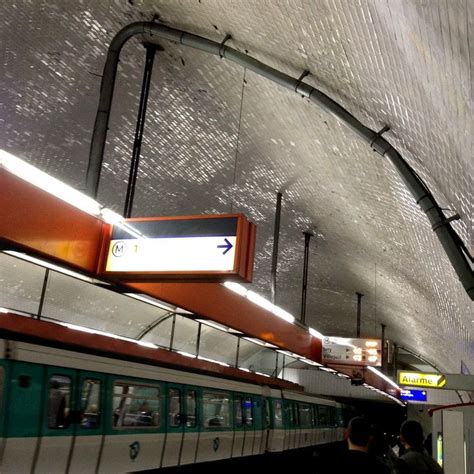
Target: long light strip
x=310, y=362
x=186, y=354
x=75, y=327
x=288, y=353
x=62, y=191
x=220, y=327
x=151, y=301
x=328, y=369
x=385, y=394
x=315, y=333
x=51, y=266
x=383, y=376
x=260, y=342
x=265, y=304
x=236, y=288
x=214, y=361
x=47, y=183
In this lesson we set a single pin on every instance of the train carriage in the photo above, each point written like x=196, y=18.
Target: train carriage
x=68, y=411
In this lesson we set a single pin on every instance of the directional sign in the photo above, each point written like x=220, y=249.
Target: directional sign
x=346, y=351
x=413, y=395
x=417, y=379
x=190, y=248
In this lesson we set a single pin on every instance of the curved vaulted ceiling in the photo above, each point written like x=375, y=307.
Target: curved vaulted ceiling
x=219, y=138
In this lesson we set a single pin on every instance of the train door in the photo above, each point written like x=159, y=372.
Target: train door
x=257, y=421
x=217, y=426
x=89, y=426
x=72, y=426
x=57, y=429
x=293, y=431
x=276, y=438
x=245, y=439
x=182, y=431
x=134, y=425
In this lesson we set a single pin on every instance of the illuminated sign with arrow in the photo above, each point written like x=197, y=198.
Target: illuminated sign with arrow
x=191, y=248
x=417, y=379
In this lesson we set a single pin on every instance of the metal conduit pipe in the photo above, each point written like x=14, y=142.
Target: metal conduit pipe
x=153, y=31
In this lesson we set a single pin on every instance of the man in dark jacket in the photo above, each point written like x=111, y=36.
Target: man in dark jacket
x=416, y=460
x=357, y=459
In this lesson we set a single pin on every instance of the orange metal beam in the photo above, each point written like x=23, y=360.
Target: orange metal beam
x=27, y=329
x=42, y=224
x=36, y=221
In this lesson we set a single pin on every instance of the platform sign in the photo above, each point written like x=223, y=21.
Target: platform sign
x=413, y=395
x=418, y=379
x=347, y=351
x=189, y=248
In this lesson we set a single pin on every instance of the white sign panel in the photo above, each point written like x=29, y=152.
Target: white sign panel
x=347, y=351
x=172, y=254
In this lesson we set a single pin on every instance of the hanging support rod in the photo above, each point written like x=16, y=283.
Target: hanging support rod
x=152, y=32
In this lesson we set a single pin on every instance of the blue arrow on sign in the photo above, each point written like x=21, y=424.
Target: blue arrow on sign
x=227, y=246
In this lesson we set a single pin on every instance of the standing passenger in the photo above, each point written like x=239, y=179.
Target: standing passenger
x=415, y=458
x=358, y=460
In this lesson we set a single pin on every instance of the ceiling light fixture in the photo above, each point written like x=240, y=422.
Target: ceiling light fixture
x=47, y=183
x=315, y=333
x=151, y=301
x=51, y=266
x=260, y=301
x=383, y=376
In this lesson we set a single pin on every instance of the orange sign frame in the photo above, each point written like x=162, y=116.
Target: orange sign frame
x=242, y=270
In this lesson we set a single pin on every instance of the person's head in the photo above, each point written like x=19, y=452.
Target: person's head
x=358, y=434
x=411, y=434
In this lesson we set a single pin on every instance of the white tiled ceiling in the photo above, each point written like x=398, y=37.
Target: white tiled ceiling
x=220, y=139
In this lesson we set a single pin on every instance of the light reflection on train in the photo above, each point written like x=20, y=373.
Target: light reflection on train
x=65, y=411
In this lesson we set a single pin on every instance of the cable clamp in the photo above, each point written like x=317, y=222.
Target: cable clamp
x=383, y=146
x=299, y=81
x=454, y=217
x=221, y=47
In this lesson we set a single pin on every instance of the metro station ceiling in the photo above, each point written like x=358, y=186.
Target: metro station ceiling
x=220, y=139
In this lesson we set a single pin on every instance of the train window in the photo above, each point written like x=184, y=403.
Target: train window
x=266, y=408
x=315, y=415
x=216, y=409
x=238, y=411
x=277, y=413
x=323, y=415
x=174, y=407
x=305, y=414
x=136, y=405
x=90, y=403
x=247, y=411
x=59, y=399
x=191, y=408
x=293, y=409
x=332, y=416
x=339, y=417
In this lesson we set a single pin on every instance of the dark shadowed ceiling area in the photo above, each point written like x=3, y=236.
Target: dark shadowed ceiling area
x=222, y=139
